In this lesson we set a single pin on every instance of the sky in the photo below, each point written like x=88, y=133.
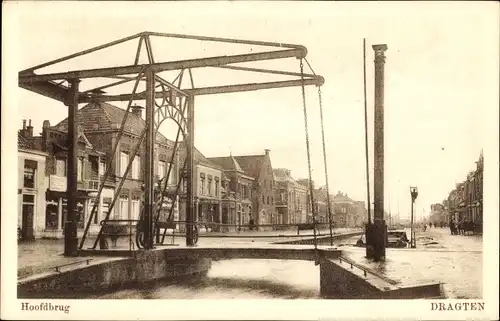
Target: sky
x=441, y=83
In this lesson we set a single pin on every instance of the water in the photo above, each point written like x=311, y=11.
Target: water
x=439, y=257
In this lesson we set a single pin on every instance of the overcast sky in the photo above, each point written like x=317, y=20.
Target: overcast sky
x=441, y=82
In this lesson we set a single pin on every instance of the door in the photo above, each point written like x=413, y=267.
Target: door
x=27, y=228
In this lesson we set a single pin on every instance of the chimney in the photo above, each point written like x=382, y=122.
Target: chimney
x=29, y=130
x=137, y=110
x=46, y=124
x=24, y=124
x=267, y=151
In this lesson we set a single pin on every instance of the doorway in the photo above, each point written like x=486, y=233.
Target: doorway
x=27, y=222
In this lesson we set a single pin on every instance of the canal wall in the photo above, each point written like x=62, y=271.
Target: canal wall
x=143, y=268
x=321, y=240
x=344, y=279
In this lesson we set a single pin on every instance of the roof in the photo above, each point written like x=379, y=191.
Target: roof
x=228, y=163
x=341, y=198
x=97, y=116
x=198, y=157
x=251, y=164
x=283, y=175
x=23, y=142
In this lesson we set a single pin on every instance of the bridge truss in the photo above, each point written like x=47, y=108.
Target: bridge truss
x=163, y=100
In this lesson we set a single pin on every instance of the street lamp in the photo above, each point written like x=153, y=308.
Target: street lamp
x=414, y=194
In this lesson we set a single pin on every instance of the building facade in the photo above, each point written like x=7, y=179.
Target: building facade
x=207, y=191
x=236, y=193
x=100, y=123
x=290, y=199
x=465, y=203
x=259, y=168
x=31, y=188
x=348, y=212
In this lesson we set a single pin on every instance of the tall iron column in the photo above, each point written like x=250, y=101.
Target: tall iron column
x=70, y=225
x=380, y=229
x=190, y=208
x=149, y=162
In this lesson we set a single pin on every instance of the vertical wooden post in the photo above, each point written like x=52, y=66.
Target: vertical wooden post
x=379, y=237
x=190, y=206
x=70, y=226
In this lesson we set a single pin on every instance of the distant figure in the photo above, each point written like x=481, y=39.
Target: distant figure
x=430, y=225
x=251, y=223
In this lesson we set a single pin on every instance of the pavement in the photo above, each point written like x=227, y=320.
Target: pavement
x=455, y=260
x=44, y=255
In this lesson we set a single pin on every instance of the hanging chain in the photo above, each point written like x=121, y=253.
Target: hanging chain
x=330, y=219
x=308, y=152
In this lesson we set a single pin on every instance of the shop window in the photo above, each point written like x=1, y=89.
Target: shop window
x=51, y=216
x=30, y=169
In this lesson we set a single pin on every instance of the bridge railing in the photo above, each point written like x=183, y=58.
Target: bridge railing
x=365, y=270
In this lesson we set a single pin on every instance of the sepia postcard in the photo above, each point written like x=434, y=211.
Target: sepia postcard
x=250, y=160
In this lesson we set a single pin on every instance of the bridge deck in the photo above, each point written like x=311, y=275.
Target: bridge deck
x=233, y=251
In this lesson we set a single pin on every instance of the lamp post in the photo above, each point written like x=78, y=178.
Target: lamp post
x=414, y=194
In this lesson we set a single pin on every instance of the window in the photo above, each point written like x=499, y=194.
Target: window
x=263, y=199
x=102, y=168
x=123, y=207
x=343, y=210
x=216, y=187
x=171, y=180
x=202, y=185
x=60, y=167
x=136, y=167
x=268, y=198
x=209, y=186
x=123, y=162
x=29, y=173
x=136, y=201
x=79, y=169
x=162, y=169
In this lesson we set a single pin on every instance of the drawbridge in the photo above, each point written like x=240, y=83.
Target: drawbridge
x=164, y=100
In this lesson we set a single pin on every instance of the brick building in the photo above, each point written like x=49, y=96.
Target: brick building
x=236, y=192
x=100, y=123
x=260, y=169
x=465, y=202
x=348, y=212
x=290, y=198
x=53, y=143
